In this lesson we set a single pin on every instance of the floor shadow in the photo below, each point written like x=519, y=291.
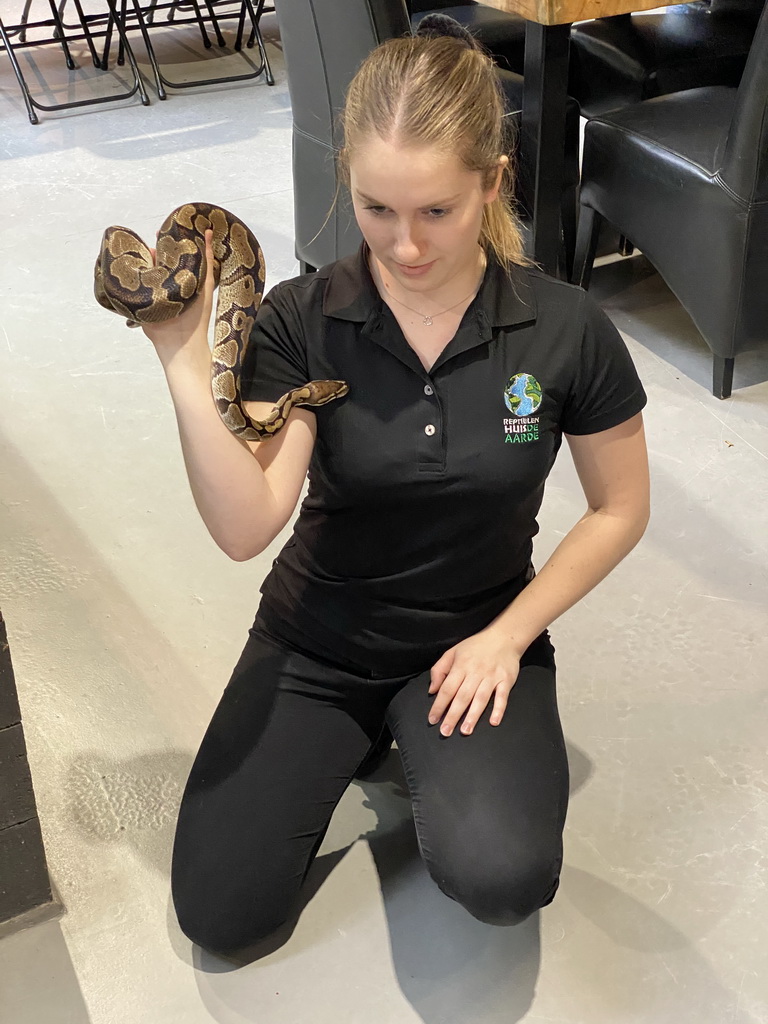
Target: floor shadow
x=704, y=541
x=38, y=982
x=450, y=967
x=640, y=303
x=682, y=971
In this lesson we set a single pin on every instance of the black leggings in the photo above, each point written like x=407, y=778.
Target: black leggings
x=285, y=742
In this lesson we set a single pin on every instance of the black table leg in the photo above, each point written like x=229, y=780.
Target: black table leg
x=542, y=137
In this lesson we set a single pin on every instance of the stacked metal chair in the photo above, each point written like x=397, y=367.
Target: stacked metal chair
x=144, y=18
x=15, y=37
x=121, y=17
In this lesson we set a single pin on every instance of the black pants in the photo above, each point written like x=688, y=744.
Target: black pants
x=284, y=744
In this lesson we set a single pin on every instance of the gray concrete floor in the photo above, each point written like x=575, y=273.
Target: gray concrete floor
x=125, y=620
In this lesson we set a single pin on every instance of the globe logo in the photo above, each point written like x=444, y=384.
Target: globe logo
x=522, y=396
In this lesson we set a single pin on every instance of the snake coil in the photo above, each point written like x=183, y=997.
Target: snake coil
x=129, y=282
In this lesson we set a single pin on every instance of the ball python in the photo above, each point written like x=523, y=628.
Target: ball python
x=129, y=282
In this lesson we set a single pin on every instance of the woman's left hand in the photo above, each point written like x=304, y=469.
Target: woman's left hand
x=467, y=676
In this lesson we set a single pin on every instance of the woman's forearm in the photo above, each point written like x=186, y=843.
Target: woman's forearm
x=585, y=556
x=228, y=483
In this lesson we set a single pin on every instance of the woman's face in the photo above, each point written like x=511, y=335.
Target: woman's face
x=420, y=211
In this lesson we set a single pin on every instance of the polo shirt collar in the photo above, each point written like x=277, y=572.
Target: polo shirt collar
x=350, y=293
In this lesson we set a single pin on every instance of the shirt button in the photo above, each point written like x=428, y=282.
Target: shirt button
x=428, y=390
x=429, y=429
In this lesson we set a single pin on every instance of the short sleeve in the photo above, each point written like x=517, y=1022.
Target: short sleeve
x=276, y=358
x=606, y=389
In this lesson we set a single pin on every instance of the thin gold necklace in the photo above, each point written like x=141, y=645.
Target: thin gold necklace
x=428, y=320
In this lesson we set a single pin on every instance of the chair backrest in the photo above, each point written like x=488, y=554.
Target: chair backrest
x=745, y=162
x=324, y=43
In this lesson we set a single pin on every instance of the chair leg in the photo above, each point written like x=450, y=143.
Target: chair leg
x=87, y=34
x=120, y=29
x=124, y=22
x=212, y=15
x=626, y=248
x=161, y=93
x=586, y=245
x=240, y=28
x=569, y=212
x=722, y=377
x=59, y=34
x=256, y=32
x=201, y=25
x=23, y=21
x=19, y=76
x=104, y=64
x=117, y=22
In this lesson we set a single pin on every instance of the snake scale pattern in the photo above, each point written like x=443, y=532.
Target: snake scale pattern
x=129, y=282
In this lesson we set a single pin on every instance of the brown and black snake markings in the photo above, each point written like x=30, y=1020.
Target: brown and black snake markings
x=128, y=282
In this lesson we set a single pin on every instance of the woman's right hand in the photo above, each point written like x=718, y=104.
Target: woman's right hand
x=191, y=326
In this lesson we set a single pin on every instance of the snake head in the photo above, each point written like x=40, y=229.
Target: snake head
x=323, y=391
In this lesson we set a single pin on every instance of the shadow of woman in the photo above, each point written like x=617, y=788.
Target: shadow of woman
x=449, y=966
x=653, y=964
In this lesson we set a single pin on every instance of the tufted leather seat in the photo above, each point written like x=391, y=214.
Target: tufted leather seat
x=685, y=177
x=631, y=57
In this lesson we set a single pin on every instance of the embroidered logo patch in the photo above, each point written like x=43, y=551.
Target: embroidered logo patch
x=522, y=396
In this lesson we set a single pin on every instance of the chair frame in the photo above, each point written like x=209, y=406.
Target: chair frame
x=56, y=22
x=119, y=18
x=143, y=19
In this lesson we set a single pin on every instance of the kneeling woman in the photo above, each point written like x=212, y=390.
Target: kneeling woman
x=405, y=598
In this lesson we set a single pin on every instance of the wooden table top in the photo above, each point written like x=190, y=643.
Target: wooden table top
x=560, y=12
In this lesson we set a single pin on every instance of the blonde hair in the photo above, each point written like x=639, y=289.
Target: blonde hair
x=438, y=91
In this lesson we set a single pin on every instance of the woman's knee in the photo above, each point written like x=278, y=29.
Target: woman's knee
x=227, y=934
x=501, y=894
x=224, y=920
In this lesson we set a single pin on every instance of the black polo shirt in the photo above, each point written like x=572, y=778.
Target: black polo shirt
x=425, y=485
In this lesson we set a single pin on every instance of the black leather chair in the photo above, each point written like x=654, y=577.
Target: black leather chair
x=502, y=34
x=685, y=177
x=623, y=59
x=324, y=43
